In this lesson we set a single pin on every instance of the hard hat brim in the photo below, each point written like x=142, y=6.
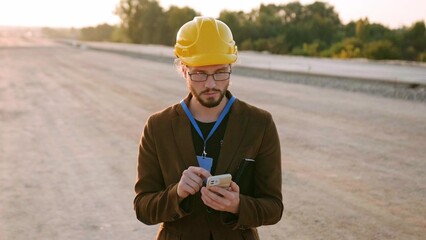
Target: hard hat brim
x=209, y=59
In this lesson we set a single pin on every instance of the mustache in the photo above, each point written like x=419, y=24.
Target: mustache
x=210, y=90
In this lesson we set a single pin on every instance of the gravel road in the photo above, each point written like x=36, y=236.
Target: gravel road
x=403, y=80
x=70, y=120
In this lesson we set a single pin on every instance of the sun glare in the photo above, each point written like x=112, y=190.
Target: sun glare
x=82, y=13
x=59, y=13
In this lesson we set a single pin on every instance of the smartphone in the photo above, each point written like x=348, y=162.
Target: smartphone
x=223, y=181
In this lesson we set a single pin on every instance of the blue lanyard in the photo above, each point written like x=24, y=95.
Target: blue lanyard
x=216, y=125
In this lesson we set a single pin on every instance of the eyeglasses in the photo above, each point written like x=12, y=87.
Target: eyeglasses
x=201, y=77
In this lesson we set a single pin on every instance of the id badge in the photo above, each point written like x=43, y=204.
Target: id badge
x=205, y=162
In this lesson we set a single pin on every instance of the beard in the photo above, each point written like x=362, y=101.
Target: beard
x=209, y=102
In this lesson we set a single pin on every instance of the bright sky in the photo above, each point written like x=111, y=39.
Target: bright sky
x=81, y=13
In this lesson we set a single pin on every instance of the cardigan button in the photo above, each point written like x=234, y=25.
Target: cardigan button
x=209, y=210
x=243, y=227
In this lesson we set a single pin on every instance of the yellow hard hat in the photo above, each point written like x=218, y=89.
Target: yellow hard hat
x=205, y=41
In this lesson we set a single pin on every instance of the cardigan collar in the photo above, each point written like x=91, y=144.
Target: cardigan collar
x=233, y=135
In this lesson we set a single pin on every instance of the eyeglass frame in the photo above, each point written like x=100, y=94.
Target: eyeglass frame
x=212, y=74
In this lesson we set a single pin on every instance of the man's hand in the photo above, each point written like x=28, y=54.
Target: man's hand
x=191, y=181
x=221, y=199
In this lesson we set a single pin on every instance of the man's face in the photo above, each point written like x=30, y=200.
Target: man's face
x=210, y=92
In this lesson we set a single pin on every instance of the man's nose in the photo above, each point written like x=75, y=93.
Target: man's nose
x=210, y=82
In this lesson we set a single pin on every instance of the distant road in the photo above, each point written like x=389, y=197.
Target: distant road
x=414, y=73
x=403, y=80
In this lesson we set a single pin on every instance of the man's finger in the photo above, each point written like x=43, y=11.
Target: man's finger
x=203, y=173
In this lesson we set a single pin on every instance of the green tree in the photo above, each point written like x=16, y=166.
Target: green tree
x=269, y=20
x=72, y=33
x=379, y=32
x=293, y=13
x=312, y=26
x=348, y=48
x=242, y=25
x=102, y=32
x=119, y=35
x=361, y=28
x=175, y=18
x=381, y=49
x=414, y=41
x=143, y=20
x=312, y=30
x=349, y=29
x=126, y=11
x=323, y=22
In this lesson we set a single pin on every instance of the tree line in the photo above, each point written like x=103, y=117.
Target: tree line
x=295, y=29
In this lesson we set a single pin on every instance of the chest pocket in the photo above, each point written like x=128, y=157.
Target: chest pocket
x=244, y=176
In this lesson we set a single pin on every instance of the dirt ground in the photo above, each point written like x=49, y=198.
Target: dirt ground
x=354, y=165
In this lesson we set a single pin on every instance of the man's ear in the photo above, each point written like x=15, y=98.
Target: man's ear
x=183, y=70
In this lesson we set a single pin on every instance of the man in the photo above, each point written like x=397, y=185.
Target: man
x=209, y=133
